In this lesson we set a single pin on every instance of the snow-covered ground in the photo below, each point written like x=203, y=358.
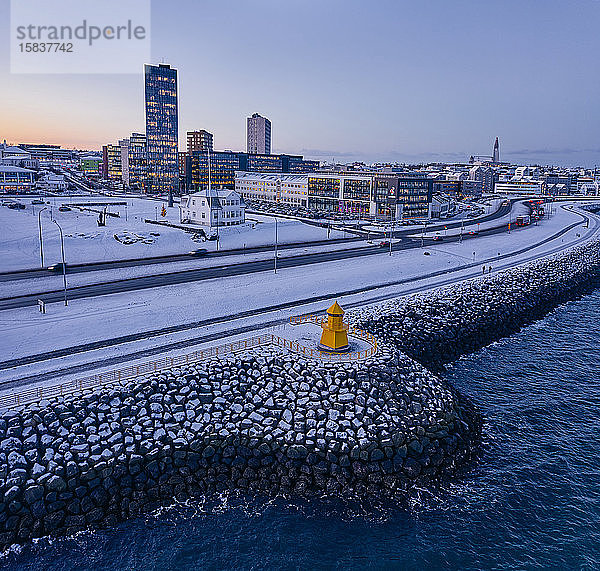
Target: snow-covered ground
x=54, y=280
x=26, y=332
x=85, y=241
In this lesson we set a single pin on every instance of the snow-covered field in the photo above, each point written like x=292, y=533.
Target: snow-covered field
x=85, y=241
x=28, y=332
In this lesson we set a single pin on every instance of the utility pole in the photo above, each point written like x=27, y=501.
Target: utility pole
x=64, y=265
x=41, y=242
x=276, y=238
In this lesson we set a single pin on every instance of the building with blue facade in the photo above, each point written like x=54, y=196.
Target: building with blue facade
x=161, y=129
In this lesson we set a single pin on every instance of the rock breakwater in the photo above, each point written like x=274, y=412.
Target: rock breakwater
x=437, y=327
x=272, y=422
x=266, y=422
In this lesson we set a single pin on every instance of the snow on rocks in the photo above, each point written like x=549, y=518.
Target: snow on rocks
x=439, y=326
x=271, y=422
x=263, y=421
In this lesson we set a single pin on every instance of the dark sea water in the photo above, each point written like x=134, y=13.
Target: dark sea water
x=532, y=501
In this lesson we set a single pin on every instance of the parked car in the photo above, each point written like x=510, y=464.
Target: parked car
x=64, y=209
x=198, y=253
x=58, y=268
x=16, y=206
x=37, y=201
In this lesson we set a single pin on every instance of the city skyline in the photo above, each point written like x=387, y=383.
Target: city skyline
x=481, y=74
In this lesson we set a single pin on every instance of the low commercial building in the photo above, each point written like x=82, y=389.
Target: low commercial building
x=402, y=195
x=442, y=206
x=389, y=195
x=90, y=164
x=54, y=182
x=16, y=157
x=523, y=186
x=447, y=187
x=344, y=193
x=224, y=165
x=471, y=188
x=14, y=180
x=291, y=189
x=50, y=155
x=212, y=208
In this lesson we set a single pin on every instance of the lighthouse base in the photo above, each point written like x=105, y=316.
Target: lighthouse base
x=343, y=349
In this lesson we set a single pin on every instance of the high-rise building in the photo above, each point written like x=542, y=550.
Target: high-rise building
x=496, y=153
x=259, y=135
x=137, y=164
x=201, y=141
x=161, y=129
x=111, y=160
x=124, y=144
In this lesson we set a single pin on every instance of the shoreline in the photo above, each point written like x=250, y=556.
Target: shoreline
x=271, y=422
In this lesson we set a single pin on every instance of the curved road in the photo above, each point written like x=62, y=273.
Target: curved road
x=127, y=263
x=448, y=276
x=173, y=278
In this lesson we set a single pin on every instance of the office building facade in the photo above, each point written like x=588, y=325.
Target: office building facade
x=124, y=146
x=290, y=189
x=16, y=179
x=343, y=193
x=402, y=195
x=111, y=163
x=161, y=129
x=258, y=135
x=137, y=163
x=199, y=141
x=485, y=175
x=224, y=165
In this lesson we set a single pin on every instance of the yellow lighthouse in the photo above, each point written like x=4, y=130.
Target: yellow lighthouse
x=335, y=331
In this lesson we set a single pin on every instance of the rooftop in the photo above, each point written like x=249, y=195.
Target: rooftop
x=243, y=175
x=7, y=168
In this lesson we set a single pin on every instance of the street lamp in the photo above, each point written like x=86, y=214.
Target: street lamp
x=64, y=267
x=276, y=238
x=41, y=242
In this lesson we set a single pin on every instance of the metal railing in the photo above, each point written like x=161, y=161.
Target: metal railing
x=354, y=331
x=36, y=394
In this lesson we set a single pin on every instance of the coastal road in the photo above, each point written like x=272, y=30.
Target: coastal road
x=134, y=262
x=221, y=271
x=234, y=324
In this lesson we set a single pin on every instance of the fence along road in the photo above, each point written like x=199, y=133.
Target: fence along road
x=37, y=394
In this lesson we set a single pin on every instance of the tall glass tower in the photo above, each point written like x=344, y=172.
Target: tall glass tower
x=161, y=129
